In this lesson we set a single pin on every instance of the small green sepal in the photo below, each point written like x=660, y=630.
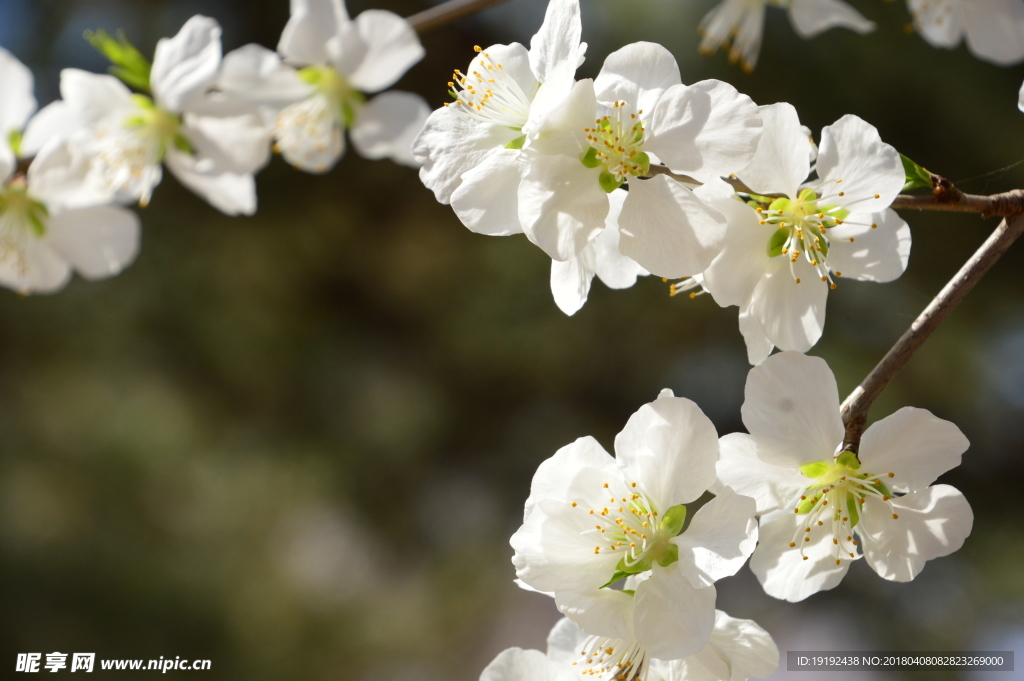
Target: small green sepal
x=517, y=143
x=14, y=139
x=128, y=63
x=781, y=203
x=590, y=158
x=673, y=520
x=671, y=556
x=917, y=177
x=848, y=459
x=609, y=182
x=778, y=241
x=852, y=510
x=816, y=469
x=644, y=161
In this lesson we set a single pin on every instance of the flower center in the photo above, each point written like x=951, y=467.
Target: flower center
x=339, y=98
x=631, y=526
x=612, y=658
x=616, y=146
x=21, y=217
x=840, y=489
x=802, y=229
x=488, y=93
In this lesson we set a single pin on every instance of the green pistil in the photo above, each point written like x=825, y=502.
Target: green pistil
x=344, y=99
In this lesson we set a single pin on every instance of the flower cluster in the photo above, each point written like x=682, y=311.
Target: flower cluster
x=211, y=121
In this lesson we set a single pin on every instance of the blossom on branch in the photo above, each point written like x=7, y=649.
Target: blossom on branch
x=742, y=22
x=50, y=221
x=606, y=133
x=789, y=240
x=470, y=148
x=820, y=507
x=591, y=520
x=992, y=29
x=738, y=650
x=317, y=91
x=212, y=143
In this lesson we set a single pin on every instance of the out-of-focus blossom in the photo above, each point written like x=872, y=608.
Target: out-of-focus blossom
x=992, y=29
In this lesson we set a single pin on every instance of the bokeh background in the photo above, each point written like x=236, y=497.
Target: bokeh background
x=296, y=444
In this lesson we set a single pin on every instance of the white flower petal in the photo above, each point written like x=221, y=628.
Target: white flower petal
x=310, y=135
x=258, y=74
x=857, y=167
x=879, y=250
x=613, y=268
x=564, y=642
x=392, y=47
x=40, y=270
x=672, y=619
x=791, y=407
x=759, y=346
x=747, y=648
x=811, y=17
x=782, y=570
x=311, y=25
x=451, y=144
x=231, y=193
x=995, y=30
x=62, y=179
x=7, y=163
x=739, y=467
x=932, y=522
x=387, y=125
x=598, y=612
x=100, y=241
x=736, y=270
x=56, y=120
x=637, y=74
x=669, y=448
x=487, y=201
x=705, y=130
x=561, y=205
x=784, y=154
x=570, y=280
x=915, y=445
x=555, y=476
x=516, y=664
x=791, y=314
x=94, y=96
x=719, y=539
x=16, y=99
x=186, y=65
x=238, y=144
x=667, y=230
x=557, y=39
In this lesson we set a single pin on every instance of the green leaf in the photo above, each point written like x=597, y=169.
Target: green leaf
x=816, y=469
x=609, y=182
x=517, y=143
x=590, y=158
x=848, y=459
x=14, y=139
x=777, y=242
x=917, y=177
x=128, y=63
x=673, y=520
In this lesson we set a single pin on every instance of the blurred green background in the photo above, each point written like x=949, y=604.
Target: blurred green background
x=296, y=444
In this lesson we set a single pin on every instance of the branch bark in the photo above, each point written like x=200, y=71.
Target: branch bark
x=447, y=12
x=854, y=410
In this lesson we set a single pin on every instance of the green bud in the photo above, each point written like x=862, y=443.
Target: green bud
x=917, y=177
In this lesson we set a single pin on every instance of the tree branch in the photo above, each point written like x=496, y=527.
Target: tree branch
x=447, y=12
x=1004, y=205
x=854, y=410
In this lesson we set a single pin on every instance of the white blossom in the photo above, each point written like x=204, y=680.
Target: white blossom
x=737, y=650
x=50, y=223
x=822, y=508
x=213, y=144
x=781, y=258
x=318, y=91
x=570, y=279
x=470, y=148
x=742, y=22
x=608, y=132
x=592, y=519
x=992, y=29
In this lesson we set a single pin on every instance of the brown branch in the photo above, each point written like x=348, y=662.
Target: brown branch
x=855, y=408
x=447, y=12
x=1004, y=205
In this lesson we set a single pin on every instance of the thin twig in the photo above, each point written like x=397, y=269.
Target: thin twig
x=447, y=12
x=855, y=408
x=1004, y=205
